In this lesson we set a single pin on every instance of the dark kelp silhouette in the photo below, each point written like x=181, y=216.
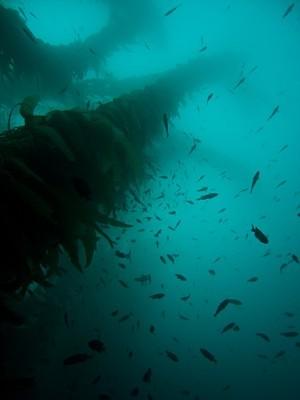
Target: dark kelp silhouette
x=65, y=174
x=28, y=63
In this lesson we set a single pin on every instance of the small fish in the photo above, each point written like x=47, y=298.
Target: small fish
x=253, y=279
x=169, y=12
x=260, y=235
x=29, y=34
x=185, y=298
x=136, y=198
x=183, y=317
x=76, y=359
x=147, y=376
x=209, y=97
x=228, y=327
x=283, y=266
x=193, y=148
x=158, y=233
x=181, y=277
x=212, y=272
x=64, y=89
x=166, y=123
x=235, y=302
x=172, y=356
x=295, y=258
x=190, y=201
x=152, y=329
x=172, y=212
x=125, y=317
x=274, y=112
x=288, y=10
x=135, y=391
x=280, y=354
x=254, y=180
x=208, y=196
x=240, y=82
x=123, y=283
x=163, y=260
x=130, y=354
x=33, y=15
x=263, y=336
x=147, y=45
x=202, y=189
x=289, y=334
x=120, y=254
x=221, y=210
x=280, y=184
x=267, y=253
x=283, y=148
x=96, y=345
x=121, y=265
x=225, y=303
x=289, y=314
x=259, y=129
x=203, y=48
x=114, y=313
x=171, y=258
x=221, y=306
x=157, y=296
x=22, y=12
x=161, y=196
x=92, y=51
x=207, y=354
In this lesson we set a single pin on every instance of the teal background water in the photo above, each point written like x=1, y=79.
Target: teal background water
x=236, y=141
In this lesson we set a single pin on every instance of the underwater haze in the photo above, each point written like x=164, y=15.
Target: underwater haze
x=200, y=298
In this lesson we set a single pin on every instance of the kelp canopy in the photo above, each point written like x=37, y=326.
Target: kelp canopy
x=61, y=176
x=64, y=175
x=29, y=64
